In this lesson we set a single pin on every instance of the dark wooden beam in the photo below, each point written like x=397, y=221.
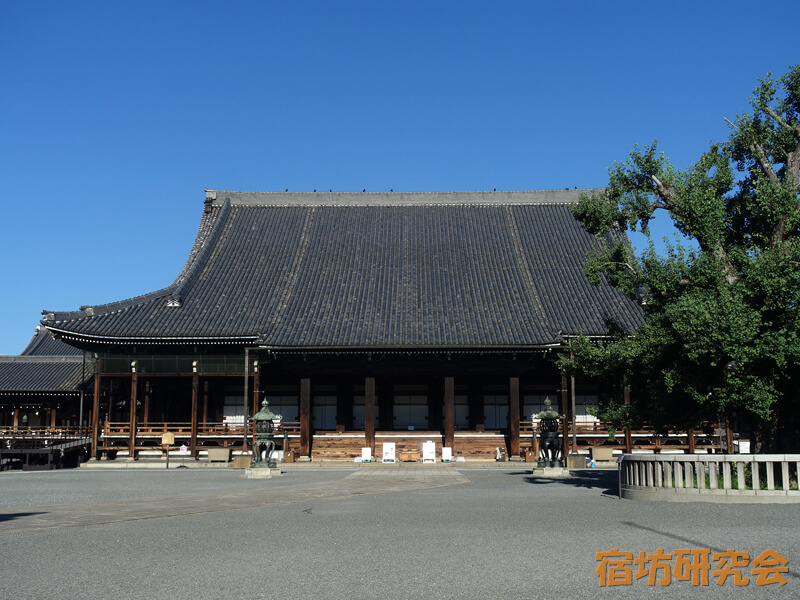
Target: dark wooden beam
x=513, y=416
x=565, y=410
x=193, y=434
x=256, y=389
x=205, y=401
x=96, y=408
x=369, y=413
x=132, y=414
x=146, y=407
x=305, y=417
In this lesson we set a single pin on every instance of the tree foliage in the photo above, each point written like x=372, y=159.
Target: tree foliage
x=721, y=333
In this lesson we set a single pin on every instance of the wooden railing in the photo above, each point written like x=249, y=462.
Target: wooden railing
x=599, y=433
x=710, y=477
x=41, y=433
x=116, y=429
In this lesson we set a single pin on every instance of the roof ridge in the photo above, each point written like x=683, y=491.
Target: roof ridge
x=391, y=198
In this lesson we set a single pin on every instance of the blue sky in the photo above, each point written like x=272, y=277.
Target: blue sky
x=114, y=116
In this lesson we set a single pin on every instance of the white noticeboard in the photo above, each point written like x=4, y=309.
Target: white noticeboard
x=447, y=454
x=744, y=446
x=366, y=454
x=388, y=452
x=429, y=452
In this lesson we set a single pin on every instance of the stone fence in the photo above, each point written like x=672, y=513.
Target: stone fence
x=762, y=478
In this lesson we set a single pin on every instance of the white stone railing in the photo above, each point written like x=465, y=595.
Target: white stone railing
x=710, y=477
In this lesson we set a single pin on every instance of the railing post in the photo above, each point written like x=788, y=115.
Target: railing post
x=726, y=475
x=785, y=475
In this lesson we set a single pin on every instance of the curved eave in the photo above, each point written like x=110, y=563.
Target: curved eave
x=75, y=393
x=408, y=350
x=252, y=342
x=72, y=336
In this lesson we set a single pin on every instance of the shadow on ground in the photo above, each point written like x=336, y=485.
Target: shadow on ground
x=607, y=480
x=10, y=517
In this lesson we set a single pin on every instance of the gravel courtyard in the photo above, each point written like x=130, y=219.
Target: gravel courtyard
x=414, y=531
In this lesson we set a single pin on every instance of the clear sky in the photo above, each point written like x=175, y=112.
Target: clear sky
x=115, y=115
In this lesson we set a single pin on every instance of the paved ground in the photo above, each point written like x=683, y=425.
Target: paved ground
x=386, y=532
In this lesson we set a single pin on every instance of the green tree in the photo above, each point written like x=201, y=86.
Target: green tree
x=721, y=330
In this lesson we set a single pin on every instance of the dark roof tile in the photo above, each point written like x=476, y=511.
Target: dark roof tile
x=469, y=269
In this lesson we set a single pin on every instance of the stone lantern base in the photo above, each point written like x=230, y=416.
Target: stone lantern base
x=262, y=473
x=551, y=471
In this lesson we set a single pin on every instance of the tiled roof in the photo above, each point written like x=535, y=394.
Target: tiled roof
x=360, y=270
x=46, y=366
x=44, y=344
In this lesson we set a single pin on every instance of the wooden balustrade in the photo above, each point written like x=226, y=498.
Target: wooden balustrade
x=41, y=432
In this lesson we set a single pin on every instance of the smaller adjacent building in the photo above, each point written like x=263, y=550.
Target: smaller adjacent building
x=43, y=386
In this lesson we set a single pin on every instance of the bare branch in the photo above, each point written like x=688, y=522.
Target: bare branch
x=627, y=265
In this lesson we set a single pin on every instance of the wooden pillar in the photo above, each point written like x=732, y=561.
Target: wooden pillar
x=15, y=418
x=205, y=401
x=146, y=406
x=96, y=408
x=53, y=417
x=256, y=387
x=305, y=417
x=132, y=414
x=690, y=434
x=449, y=411
x=728, y=436
x=193, y=434
x=626, y=398
x=369, y=413
x=513, y=416
x=566, y=412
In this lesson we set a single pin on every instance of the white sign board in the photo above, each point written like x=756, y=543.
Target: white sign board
x=366, y=454
x=388, y=452
x=429, y=452
x=744, y=446
x=447, y=454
